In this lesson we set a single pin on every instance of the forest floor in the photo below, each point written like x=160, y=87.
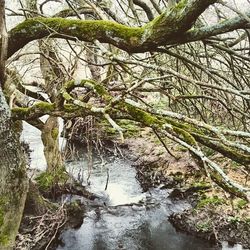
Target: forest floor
x=215, y=215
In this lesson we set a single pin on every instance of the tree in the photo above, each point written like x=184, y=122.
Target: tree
x=197, y=67
x=13, y=183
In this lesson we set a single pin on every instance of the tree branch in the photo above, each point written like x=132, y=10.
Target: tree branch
x=162, y=30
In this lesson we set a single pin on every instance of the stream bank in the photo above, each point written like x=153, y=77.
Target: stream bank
x=134, y=209
x=214, y=215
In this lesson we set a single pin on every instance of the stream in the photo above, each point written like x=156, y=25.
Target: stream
x=123, y=217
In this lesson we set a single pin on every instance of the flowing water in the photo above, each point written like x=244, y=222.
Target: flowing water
x=123, y=217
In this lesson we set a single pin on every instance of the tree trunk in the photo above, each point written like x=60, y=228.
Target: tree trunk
x=53, y=76
x=50, y=139
x=13, y=179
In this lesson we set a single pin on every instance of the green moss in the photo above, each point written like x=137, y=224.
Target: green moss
x=181, y=148
x=41, y=107
x=67, y=96
x=181, y=5
x=142, y=116
x=4, y=240
x=22, y=112
x=201, y=184
x=69, y=85
x=3, y=201
x=1, y=217
x=71, y=108
x=130, y=127
x=230, y=189
x=208, y=151
x=85, y=30
x=242, y=203
x=89, y=84
x=215, y=200
x=187, y=137
x=18, y=127
x=54, y=133
x=47, y=180
x=45, y=106
x=100, y=90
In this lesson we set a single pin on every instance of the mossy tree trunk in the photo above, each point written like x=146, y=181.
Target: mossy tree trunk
x=13, y=179
x=50, y=131
x=50, y=139
x=53, y=77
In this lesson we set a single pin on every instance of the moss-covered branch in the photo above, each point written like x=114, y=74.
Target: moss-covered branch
x=36, y=111
x=160, y=31
x=187, y=134
x=124, y=37
x=189, y=131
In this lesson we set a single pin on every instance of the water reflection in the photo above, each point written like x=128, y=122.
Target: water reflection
x=126, y=223
x=130, y=231
x=144, y=226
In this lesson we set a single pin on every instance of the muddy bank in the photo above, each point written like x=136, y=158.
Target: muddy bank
x=48, y=212
x=39, y=232
x=215, y=215
x=216, y=227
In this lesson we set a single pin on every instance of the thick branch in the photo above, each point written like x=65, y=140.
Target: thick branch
x=161, y=31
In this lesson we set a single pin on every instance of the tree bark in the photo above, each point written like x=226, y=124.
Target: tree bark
x=53, y=76
x=50, y=133
x=13, y=179
x=50, y=139
x=3, y=41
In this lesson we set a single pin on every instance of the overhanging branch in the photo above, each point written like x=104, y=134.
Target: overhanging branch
x=162, y=30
